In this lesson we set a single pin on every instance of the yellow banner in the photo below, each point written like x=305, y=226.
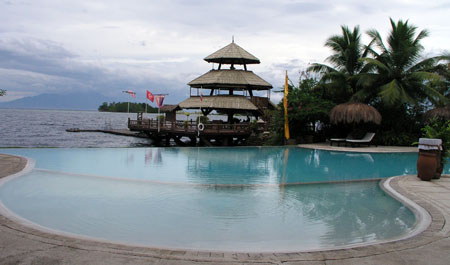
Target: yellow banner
x=286, y=121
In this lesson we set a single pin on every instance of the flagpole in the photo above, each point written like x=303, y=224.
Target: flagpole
x=285, y=104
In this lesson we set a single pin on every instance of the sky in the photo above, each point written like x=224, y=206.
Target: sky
x=66, y=46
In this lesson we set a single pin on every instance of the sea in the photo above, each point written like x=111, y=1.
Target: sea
x=47, y=128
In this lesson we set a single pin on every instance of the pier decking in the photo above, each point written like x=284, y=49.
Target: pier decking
x=219, y=133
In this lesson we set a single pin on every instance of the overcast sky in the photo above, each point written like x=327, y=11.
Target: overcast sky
x=60, y=46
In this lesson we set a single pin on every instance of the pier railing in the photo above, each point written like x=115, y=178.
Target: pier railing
x=188, y=127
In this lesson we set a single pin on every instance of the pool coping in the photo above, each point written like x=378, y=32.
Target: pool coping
x=430, y=233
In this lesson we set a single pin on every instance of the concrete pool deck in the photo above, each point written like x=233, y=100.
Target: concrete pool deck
x=20, y=244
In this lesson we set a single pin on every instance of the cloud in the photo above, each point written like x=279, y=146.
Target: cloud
x=52, y=45
x=33, y=66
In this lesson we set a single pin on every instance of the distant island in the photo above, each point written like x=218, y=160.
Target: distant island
x=123, y=107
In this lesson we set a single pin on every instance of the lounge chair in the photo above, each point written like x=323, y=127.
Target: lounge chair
x=339, y=140
x=367, y=139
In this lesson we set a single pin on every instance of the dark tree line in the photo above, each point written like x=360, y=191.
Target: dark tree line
x=123, y=107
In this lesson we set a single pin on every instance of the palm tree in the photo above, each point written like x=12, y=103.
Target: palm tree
x=399, y=76
x=2, y=92
x=340, y=80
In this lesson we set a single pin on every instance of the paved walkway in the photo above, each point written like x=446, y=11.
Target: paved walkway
x=374, y=149
x=20, y=244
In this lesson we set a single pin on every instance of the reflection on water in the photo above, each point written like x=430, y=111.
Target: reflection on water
x=233, y=218
x=227, y=165
x=353, y=212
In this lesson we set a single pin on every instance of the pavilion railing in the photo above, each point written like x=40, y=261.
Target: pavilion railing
x=189, y=126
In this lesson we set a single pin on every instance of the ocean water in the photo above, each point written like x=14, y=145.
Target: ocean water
x=47, y=128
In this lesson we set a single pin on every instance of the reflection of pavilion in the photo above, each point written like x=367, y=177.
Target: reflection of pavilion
x=225, y=166
x=225, y=91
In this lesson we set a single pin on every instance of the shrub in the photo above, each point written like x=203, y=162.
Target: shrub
x=439, y=129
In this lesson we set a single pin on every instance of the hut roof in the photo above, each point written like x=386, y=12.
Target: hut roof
x=232, y=54
x=230, y=79
x=354, y=112
x=441, y=112
x=168, y=108
x=219, y=102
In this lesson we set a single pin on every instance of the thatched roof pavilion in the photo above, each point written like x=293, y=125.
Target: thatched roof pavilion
x=354, y=112
x=221, y=82
x=230, y=92
x=441, y=112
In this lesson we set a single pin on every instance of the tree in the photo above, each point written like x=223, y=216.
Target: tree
x=305, y=107
x=2, y=92
x=340, y=81
x=398, y=75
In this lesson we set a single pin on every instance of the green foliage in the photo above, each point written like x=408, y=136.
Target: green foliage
x=392, y=137
x=400, y=125
x=392, y=75
x=2, y=92
x=123, y=107
x=439, y=129
x=340, y=81
x=305, y=107
x=398, y=75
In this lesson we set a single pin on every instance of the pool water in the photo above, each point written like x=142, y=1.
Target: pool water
x=223, y=199
x=244, y=165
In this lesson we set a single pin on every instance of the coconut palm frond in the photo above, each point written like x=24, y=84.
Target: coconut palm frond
x=377, y=40
x=361, y=95
x=429, y=63
x=390, y=92
x=367, y=80
x=422, y=34
x=321, y=68
x=426, y=76
x=376, y=63
x=436, y=97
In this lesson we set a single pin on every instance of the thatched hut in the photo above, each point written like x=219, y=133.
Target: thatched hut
x=170, y=111
x=440, y=112
x=354, y=112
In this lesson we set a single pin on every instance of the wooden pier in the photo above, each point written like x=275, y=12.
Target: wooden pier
x=123, y=132
x=208, y=134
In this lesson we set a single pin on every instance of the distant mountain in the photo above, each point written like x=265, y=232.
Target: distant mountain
x=72, y=101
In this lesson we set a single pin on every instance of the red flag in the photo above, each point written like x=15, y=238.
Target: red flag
x=201, y=96
x=133, y=94
x=150, y=96
x=159, y=100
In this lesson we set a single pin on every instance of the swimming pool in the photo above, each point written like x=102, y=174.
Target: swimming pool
x=223, y=199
